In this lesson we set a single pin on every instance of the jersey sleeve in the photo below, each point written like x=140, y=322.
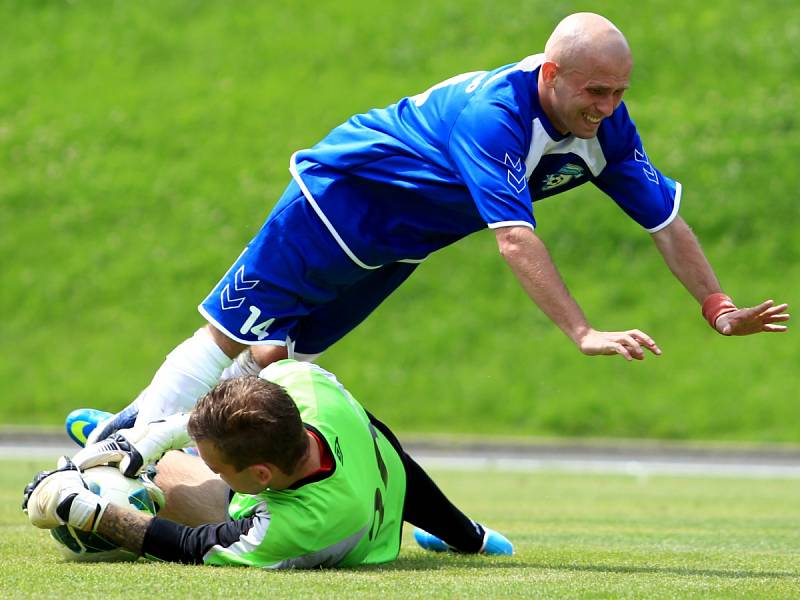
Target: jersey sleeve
x=233, y=540
x=299, y=536
x=487, y=149
x=645, y=194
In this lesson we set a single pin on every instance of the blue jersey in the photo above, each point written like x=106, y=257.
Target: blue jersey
x=393, y=185
x=476, y=150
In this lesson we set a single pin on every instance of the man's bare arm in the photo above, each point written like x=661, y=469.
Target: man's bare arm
x=530, y=261
x=124, y=527
x=685, y=258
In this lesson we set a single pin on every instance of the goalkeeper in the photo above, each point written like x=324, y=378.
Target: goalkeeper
x=315, y=481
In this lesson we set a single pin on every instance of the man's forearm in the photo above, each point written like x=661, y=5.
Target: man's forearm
x=685, y=258
x=124, y=527
x=170, y=541
x=530, y=261
x=159, y=538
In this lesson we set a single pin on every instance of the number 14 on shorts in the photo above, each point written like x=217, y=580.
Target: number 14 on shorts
x=250, y=326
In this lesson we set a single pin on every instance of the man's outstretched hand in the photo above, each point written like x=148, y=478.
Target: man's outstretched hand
x=746, y=321
x=630, y=344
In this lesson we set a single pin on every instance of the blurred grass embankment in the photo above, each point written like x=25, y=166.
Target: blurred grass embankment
x=143, y=143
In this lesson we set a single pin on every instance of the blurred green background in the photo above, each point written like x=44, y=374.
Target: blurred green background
x=143, y=143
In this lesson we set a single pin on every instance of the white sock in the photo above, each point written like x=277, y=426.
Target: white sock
x=244, y=364
x=188, y=373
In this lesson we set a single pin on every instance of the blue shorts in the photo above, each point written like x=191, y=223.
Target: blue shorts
x=294, y=284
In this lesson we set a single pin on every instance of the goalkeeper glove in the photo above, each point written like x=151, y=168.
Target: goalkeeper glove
x=133, y=449
x=60, y=497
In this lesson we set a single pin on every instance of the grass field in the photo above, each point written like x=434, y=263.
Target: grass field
x=576, y=536
x=142, y=144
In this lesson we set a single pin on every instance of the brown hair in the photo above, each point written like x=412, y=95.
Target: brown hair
x=250, y=420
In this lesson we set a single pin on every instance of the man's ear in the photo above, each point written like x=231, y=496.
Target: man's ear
x=263, y=473
x=549, y=71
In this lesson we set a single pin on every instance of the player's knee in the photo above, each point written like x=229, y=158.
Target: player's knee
x=266, y=355
x=306, y=357
x=228, y=345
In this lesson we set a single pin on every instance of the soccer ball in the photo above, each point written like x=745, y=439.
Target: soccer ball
x=139, y=493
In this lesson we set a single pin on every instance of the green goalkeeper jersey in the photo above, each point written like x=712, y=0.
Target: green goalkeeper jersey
x=353, y=515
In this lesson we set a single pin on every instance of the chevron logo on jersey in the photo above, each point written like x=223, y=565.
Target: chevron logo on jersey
x=516, y=178
x=647, y=169
x=229, y=300
x=564, y=175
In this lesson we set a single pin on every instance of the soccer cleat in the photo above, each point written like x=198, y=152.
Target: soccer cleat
x=82, y=421
x=428, y=541
x=124, y=419
x=494, y=543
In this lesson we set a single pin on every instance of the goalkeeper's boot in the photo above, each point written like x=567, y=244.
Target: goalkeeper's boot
x=82, y=421
x=428, y=541
x=494, y=543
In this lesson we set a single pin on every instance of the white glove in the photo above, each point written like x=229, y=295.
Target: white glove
x=133, y=449
x=61, y=497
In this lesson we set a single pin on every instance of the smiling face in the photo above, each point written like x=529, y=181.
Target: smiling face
x=586, y=70
x=581, y=97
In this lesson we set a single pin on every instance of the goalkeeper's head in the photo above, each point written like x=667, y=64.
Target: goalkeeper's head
x=246, y=423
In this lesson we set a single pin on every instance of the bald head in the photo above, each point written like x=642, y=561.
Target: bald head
x=583, y=38
x=586, y=70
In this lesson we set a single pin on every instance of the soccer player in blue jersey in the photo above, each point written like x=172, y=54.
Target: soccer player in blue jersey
x=387, y=188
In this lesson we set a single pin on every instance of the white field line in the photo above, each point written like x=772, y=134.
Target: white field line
x=463, y=461
x=17, y=451
x=637, y=468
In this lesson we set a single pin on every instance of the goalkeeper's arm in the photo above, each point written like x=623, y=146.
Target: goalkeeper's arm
x=166, y=540
x=60, y=497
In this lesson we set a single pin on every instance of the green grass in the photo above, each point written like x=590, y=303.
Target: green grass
x=576, y=536
x=142, y=144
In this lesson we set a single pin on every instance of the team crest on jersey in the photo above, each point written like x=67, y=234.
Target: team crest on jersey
x=564, y=175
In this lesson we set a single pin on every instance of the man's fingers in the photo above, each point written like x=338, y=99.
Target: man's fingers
x=629, y=344
x=645, y=339
x=774, y=328
x=634, y=347
x=765, y=312
x=631, y=347
x=763, y=306
x=622, y=351
x=776, y=313
x=778, y=318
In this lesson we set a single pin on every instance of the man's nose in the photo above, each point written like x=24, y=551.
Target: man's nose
x=605, y=106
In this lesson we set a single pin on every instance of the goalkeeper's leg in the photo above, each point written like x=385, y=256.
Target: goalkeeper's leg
x=426, y=507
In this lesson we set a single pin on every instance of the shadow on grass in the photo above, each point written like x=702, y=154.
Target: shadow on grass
x=446, y=561
x=730, y=574
x=449, y=561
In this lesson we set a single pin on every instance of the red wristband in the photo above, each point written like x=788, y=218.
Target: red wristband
x=715, y=306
